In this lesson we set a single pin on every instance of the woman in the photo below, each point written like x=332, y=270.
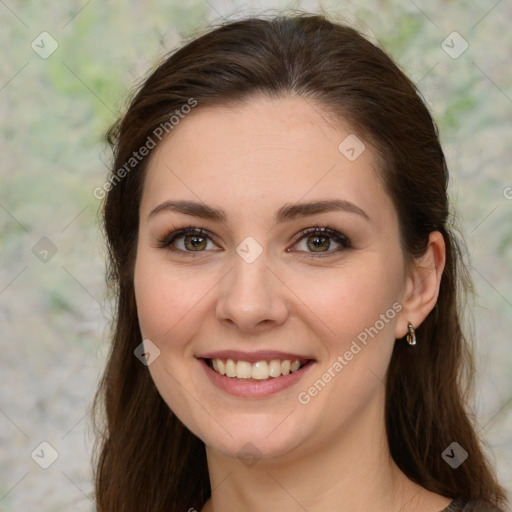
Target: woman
x=287, y=334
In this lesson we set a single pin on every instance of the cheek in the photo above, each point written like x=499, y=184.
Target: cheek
x=164, y=298
x=354, y=300
x=358, y=310
x=168, y=307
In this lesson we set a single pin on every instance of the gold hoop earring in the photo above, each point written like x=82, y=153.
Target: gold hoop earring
x=411, y=335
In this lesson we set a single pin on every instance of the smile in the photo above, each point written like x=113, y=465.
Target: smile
x=260, y=370
x=254, y=375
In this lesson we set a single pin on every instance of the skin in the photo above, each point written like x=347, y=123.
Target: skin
x=331, y=453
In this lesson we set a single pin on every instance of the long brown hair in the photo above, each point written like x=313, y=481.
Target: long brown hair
x=147, y=460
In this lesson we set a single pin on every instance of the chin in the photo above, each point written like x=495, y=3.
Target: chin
x=254, y=437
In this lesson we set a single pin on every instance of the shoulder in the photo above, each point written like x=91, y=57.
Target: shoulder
x=461, y=505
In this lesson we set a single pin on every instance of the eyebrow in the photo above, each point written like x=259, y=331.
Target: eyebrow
x=286, y=213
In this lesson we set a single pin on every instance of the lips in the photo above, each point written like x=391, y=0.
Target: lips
x=255, y=374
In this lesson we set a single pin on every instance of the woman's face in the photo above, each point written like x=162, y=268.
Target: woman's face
x=252, y=294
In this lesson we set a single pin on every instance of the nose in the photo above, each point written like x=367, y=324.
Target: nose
x=251, y=297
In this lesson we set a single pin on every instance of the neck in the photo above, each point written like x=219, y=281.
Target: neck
x=349, y=471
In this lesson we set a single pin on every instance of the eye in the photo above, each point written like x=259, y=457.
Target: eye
x=189, y=241
x=320, y=239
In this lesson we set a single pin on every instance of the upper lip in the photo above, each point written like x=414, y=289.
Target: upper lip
x=253, y=357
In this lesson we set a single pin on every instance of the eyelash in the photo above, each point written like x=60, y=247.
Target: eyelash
x=345, y=243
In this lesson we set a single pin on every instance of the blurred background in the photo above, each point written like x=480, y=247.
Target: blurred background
x=65, y=74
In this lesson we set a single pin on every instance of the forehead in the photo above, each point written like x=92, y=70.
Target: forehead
x=262, y=154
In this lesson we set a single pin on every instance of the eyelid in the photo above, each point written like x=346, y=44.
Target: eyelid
x=322, y=230
x=166, y=241
x=332, y=233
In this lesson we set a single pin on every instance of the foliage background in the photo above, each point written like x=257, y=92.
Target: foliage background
x=54, y=112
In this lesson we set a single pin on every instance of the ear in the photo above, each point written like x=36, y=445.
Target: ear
x=421, y=287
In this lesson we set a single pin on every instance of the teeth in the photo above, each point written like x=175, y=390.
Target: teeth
x=295, y=365
x=243, y=370
x=274, y=368
x=260, y=370
x=230, y=368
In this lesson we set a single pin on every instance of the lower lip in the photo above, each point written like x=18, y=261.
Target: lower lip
x=254, y=388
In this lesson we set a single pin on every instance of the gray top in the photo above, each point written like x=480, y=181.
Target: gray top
x=460, y=505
